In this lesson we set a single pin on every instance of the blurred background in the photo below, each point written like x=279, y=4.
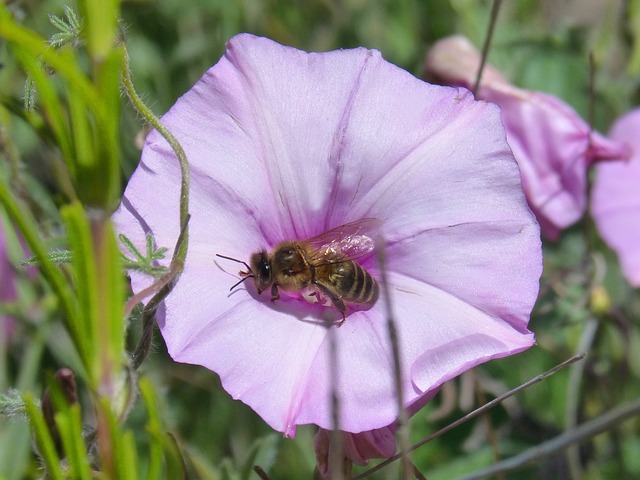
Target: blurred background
x=584, y=304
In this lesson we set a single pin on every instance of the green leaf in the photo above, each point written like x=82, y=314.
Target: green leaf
x=144, y=263
x=107, y=166
x=85, y=276
x=30, y=95
x=51, y=104
x=111, y=283
x=128, y=461
x=116, y=448
x=58, y=23
x=58, y=257
x=100, y=290
x=100, y=23
x=69, y=422
x=153, y=426
x=43, y=439
x=29, y=230
x=82, y=134
x=90, y=144
x=12, y=404
x=170, y=452
x=69, y=30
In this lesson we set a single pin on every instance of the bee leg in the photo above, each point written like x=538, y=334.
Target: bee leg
x=335, y=299
x=275, y=295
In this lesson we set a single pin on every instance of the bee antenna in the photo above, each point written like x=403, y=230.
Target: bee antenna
x=242, y=280
x=238, y=261
x=245, y=275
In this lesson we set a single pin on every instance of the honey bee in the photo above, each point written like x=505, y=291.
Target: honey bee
x=324, y=264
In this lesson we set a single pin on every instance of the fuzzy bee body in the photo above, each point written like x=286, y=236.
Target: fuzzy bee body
x=350, y=281
x=325, y=263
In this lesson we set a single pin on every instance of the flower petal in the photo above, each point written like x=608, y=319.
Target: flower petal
x=284, y=145
x=552, y=144
x=616, y=198
x=357, y=447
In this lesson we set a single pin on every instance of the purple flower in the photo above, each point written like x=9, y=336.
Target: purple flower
x=285, y=145
x=552, y=144
x=358, y=448
x=361, y=447
x=615, y=202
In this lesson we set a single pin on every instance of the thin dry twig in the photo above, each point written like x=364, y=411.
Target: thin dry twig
x=403, y=417
x=336, y=458
x=572, y=437
x=495, y=9
x=261, y=473
x=475, y=413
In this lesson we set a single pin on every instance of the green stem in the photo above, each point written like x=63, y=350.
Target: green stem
x=154, y=121
x=180, y=251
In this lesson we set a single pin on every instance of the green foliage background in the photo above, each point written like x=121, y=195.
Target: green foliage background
x=59, y=184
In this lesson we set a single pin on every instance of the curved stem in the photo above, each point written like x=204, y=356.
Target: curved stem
x=155, y=122
x=180, y=251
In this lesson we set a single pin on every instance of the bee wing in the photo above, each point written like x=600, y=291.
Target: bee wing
x=351, y=240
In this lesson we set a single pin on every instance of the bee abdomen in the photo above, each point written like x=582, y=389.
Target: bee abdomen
x=363, y=288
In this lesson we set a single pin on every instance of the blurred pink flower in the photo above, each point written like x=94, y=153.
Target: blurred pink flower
x=358, y=448
x=552, y=144
x=285, y=144
x=615, y=201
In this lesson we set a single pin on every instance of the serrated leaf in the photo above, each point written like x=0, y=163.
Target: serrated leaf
x=58, y=23
x=58, y=257
x=143, y=263
x=11, y=404
x=73, y=18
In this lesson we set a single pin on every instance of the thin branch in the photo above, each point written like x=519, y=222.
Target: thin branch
x=261, y=473
x=475, y=413
x=572, y=437
x=403, y=417
x=336, y=459
x=495, y=9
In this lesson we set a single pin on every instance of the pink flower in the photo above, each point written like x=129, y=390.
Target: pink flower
x=615, y=202
x=358, y=448
x=285, y=144
x=552, y=144
x=361, y=447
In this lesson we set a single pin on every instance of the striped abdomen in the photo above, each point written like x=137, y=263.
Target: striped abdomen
x=353, y=283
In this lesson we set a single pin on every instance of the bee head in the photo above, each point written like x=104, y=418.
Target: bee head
x=261, y=270
x=250, y=271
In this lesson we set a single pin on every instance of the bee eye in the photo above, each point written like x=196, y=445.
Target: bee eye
x=265, y=272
